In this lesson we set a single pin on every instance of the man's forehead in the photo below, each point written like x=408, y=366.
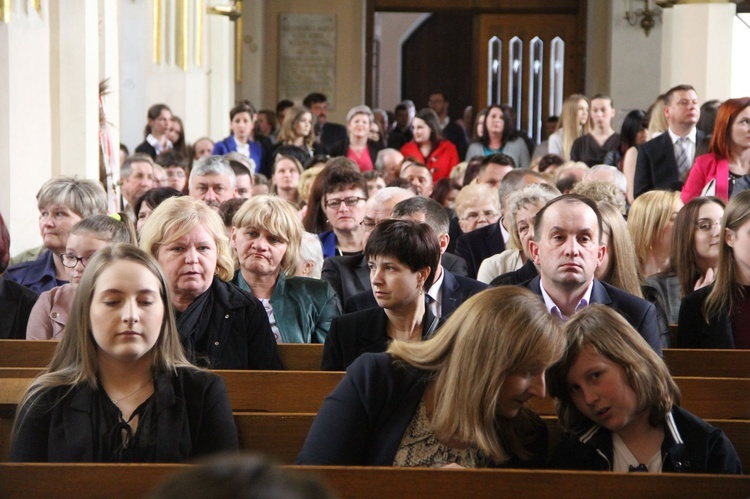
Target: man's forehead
x=212, y=178
x=580, y=213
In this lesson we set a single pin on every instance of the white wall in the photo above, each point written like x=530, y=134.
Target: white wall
x=740, y=66
x=392, y=29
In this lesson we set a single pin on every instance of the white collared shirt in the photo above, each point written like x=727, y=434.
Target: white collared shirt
x=555, y=310
x=157, y=145
x=689, y=144
x=436, y=293
x=505, y=233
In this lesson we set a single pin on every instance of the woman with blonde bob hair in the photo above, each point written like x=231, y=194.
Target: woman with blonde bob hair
x=119, y=379
x=221, y=326
x=650, y=221
x=617, y=400
x=455, y=399
x=267, y=234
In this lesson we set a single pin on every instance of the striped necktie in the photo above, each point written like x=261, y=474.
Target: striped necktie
x=683, y=162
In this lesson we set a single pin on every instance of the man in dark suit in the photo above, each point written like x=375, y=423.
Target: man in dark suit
x=490, y=240
x=664, y=162
x=328, y=133
x=438, y=102
x=448, y=290
x=567, y=248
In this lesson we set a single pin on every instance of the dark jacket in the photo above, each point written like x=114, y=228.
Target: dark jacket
x=366, y=331
x=146, y=148
x=341, y=148
x=455, y=290
x=362, y=422
x=690, y=446
x=348, y=275
x=303, y=308
x=16, y=302
x=479, y=244
x=194, y=419
x=694, y=332
x=656, y=166
x=239, y=335
x=527, y=272
x=37, y=275
x=637, y=311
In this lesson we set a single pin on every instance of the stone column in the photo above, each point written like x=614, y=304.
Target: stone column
x=697, y=47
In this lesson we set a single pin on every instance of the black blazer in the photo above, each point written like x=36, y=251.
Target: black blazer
x=479, y=244
x=656, y=166
x=692, y=329
x=366, y=331
x=341, y=148
x=194, y=419
x=347, y=275
x=146, y=148
x=456, y=290
x=527, y=272
x=637, y=311
x=16, y=302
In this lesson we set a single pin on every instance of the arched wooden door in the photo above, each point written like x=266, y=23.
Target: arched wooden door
x=530, y=61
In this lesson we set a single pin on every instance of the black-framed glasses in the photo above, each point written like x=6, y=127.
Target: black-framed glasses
x=707, y=225
x=71, y=261
x=350, y=202
x=367, y=225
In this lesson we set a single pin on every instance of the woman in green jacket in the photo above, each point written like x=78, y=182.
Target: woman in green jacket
x=267, y=234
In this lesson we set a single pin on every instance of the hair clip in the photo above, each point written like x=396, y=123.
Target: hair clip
x=116, y=216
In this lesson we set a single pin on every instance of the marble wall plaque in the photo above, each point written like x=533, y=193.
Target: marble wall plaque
x=307, y=56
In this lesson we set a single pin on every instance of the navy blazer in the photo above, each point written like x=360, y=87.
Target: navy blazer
x=656, y=166
x=479, y=244
x=637, y=311
x=362, y=422
x=455, y=289
x=348, y=275
x=194, y=418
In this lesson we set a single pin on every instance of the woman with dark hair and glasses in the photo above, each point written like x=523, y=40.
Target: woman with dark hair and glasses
x=402, y=256
x=429, y=147
x=343, y=203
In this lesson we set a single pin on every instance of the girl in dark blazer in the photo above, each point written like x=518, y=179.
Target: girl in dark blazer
x=402, y=256
x=717, y=316
x=119, y=388
x=455, y=400
x=620, y=406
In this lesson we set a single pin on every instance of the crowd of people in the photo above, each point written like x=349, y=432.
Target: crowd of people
x=454, y=269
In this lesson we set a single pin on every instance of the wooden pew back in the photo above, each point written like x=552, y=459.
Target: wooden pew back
x=136, y=480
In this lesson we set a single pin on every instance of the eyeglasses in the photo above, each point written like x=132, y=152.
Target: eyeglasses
x=71, y=261
x=707, y=225
x=350, y=202
x=473, y=215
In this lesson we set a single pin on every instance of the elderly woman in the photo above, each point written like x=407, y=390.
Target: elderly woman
x=343, y=203
x=523, y=206
x=456, y=399
x=477, y=205
x=403, y=257
x=62, y=201
x=357, y=146
x=267, y=234
x=310, y=263
x=220, y=325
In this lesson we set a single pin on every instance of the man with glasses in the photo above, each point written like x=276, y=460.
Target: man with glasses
x=664, y=162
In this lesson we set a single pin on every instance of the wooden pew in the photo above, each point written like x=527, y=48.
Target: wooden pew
x=136, y=480
x=708, y=363
x=281, y=435
x=23, y=353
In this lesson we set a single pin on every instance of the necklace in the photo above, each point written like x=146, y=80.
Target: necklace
x=127, y=397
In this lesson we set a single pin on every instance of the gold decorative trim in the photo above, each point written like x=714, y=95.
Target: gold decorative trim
x=199, y=33
x=5, y=8
x=181, y=49
x=157, y=33
x=37, y=5
x=238, y=45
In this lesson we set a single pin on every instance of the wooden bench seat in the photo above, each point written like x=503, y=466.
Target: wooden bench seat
x=136, y=480
x=24, y=353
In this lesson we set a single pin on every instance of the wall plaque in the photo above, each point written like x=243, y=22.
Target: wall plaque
x=307, y=56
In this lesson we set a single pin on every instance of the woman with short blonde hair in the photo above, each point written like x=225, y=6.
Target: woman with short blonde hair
x=221, y=326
